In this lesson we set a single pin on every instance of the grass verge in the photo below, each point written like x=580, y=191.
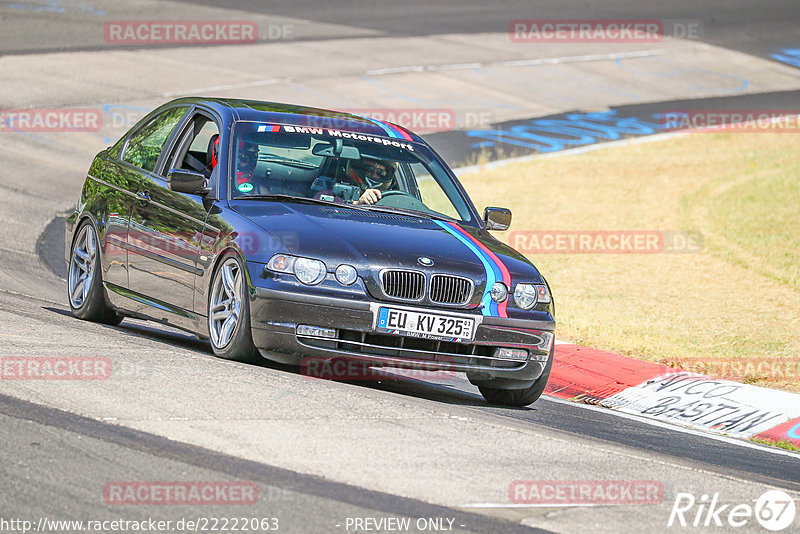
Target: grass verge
x=783, y=444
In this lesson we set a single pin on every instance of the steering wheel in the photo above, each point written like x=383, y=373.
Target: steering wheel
x=401, y=199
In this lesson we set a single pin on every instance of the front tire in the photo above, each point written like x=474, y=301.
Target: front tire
x=519, y=397
x=229, y=312
x=85, y=293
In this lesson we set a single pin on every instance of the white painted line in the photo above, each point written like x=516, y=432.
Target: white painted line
x=455, y=66
x=20, y=252
x=25, y=295
x=676, y=428
x=395, y=70
x=559, y=505
x=516, y=62
x=576, y=59
x=256, y=83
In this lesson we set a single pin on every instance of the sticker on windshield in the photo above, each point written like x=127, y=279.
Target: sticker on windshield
x=339, y=133
x=270, y=127
x=245, y=187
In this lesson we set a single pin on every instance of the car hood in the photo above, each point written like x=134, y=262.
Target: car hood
x=374, y=240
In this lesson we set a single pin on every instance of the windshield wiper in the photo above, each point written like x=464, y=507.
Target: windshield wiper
x=303, y=200
x=413, y=213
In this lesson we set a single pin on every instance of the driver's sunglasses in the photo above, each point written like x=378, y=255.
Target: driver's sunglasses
x=373, y=170
x=247, y=156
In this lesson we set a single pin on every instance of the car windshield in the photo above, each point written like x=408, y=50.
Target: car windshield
x=342, y=167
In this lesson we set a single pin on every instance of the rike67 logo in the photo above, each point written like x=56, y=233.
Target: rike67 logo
x=775, y=510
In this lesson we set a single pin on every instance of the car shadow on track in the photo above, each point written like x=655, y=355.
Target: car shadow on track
x=427, y=390
x=148, y=330
x=455, y=389
x=450, y=388
x=170, y=337
x=60, y=311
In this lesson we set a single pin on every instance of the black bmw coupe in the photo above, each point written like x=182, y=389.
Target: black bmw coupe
x=289, y=233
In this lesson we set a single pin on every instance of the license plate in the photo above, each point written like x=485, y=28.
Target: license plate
x=414, y=323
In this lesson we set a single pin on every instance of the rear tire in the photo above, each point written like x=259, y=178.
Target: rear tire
x=229, y=312
x=85, y=292
x=519, y=397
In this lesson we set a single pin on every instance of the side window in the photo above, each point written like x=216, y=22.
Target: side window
x=145, y=145
x=201, y=148
x=200, y=143
x=195, y=150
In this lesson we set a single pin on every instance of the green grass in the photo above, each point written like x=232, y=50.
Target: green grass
x=783, y=444
x=757, y=220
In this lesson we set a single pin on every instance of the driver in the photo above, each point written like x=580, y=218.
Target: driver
x=246, y=161
x=374, y=176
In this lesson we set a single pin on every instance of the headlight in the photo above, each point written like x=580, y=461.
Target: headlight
x=309, y=271
x=282, y=263
x=346, y=274
x=499, y=292
x=527, y=295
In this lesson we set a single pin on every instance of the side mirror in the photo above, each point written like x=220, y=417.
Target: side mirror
x=183, y=181
x=497, y=218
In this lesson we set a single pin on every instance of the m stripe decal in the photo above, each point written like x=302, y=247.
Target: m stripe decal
x=504, y=275
x=386, y=128
x=491, y=264
x=405, y=133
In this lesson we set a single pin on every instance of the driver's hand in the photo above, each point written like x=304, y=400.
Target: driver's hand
x=370, y=196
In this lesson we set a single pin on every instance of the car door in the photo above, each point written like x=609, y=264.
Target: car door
x=114, y=187
x=167, y=226
x=137, y=157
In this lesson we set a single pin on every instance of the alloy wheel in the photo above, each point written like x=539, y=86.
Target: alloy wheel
x=225, y=304
x=81, y=266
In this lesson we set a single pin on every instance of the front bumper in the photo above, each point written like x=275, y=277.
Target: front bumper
x=275, y=315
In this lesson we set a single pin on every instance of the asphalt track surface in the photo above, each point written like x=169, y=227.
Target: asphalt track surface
x=61, y=449
x=302, y=503
x=757, y=28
